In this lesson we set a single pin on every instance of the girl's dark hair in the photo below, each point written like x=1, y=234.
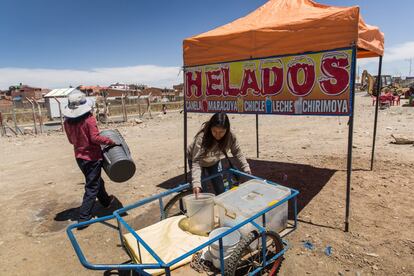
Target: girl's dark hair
x=73, y=121
x=219, y=119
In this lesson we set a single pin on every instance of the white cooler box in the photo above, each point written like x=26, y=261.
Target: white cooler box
x=250, y=198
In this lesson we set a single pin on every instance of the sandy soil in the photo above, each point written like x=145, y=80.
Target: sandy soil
x=42, y=188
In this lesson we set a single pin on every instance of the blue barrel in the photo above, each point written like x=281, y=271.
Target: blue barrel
x=118, y=163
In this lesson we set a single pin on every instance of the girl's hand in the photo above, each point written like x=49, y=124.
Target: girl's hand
x=196, y=191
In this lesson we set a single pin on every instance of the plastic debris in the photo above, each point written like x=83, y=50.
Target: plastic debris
x=308, y=245
x=328, y=250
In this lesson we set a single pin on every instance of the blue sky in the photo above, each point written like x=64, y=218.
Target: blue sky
x=57, y=43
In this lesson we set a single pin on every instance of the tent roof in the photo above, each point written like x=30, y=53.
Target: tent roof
x=282, y=27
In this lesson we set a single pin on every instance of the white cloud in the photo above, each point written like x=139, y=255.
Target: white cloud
x=150, y=75
x=394, y=63
x=399, y=52
x=393, y=54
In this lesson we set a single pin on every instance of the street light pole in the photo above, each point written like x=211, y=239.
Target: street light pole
x=410, y=61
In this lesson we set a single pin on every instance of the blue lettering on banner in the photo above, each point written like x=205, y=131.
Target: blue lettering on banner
x=282, y=106
x=194, y=105
x=228, y=106
x=254, y=106
x=325, y=106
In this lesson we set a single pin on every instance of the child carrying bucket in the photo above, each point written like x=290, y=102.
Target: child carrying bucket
x=83, y=134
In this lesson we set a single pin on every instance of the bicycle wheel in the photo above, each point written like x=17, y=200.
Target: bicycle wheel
x=173, y=208
x=247, y=256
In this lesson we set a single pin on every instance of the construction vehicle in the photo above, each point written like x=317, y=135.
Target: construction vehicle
x=369, y=84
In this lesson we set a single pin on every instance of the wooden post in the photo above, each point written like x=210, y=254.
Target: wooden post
x=3, y=130
x=34, y=114
x=123, y=107
x=149, y=104
x=106, y=104
x=40, y=115
x=60, y=114
x=10, y=128
x=14, y=117
x=139, y=105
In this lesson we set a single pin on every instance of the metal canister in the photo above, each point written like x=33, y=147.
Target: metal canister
x=118, y=163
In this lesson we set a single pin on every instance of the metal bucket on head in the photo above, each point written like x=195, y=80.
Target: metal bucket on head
x=118, y=163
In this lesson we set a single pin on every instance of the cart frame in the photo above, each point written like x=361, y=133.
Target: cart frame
x=139, y=268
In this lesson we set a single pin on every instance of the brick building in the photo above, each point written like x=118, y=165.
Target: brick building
x=92, y=90
x=21, y=92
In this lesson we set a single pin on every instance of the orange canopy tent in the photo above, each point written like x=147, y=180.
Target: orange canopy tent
x=282, y=27
x=289, y=27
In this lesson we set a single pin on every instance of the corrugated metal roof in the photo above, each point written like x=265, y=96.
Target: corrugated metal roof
x=61, y=92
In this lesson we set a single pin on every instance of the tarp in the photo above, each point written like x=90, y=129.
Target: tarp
x=285, y=27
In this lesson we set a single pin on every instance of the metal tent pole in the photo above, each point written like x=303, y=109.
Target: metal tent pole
x=257, y=135
x=181, y=203
x=185, y=131
x=350, y=138
x=378, y=88
x=185, y=144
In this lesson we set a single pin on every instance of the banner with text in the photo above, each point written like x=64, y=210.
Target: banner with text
x=309, y=84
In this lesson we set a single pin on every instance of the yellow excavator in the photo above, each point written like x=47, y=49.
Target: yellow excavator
x=369, y=83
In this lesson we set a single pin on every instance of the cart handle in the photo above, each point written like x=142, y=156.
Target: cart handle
x=92, y=266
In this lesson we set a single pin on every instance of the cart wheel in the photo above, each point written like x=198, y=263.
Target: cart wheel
x=247, y=256
x=173, y=208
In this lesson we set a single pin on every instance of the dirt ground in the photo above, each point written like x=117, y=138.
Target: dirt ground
x=42, y=188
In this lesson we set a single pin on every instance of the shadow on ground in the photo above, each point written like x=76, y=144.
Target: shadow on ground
x=307, y=179
x=72, y=214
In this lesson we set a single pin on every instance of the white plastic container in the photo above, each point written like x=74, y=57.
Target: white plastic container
x=230, y=242
x=247, y=200
x=200, y=213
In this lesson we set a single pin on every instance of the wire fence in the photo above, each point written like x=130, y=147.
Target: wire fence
x=19, y=121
